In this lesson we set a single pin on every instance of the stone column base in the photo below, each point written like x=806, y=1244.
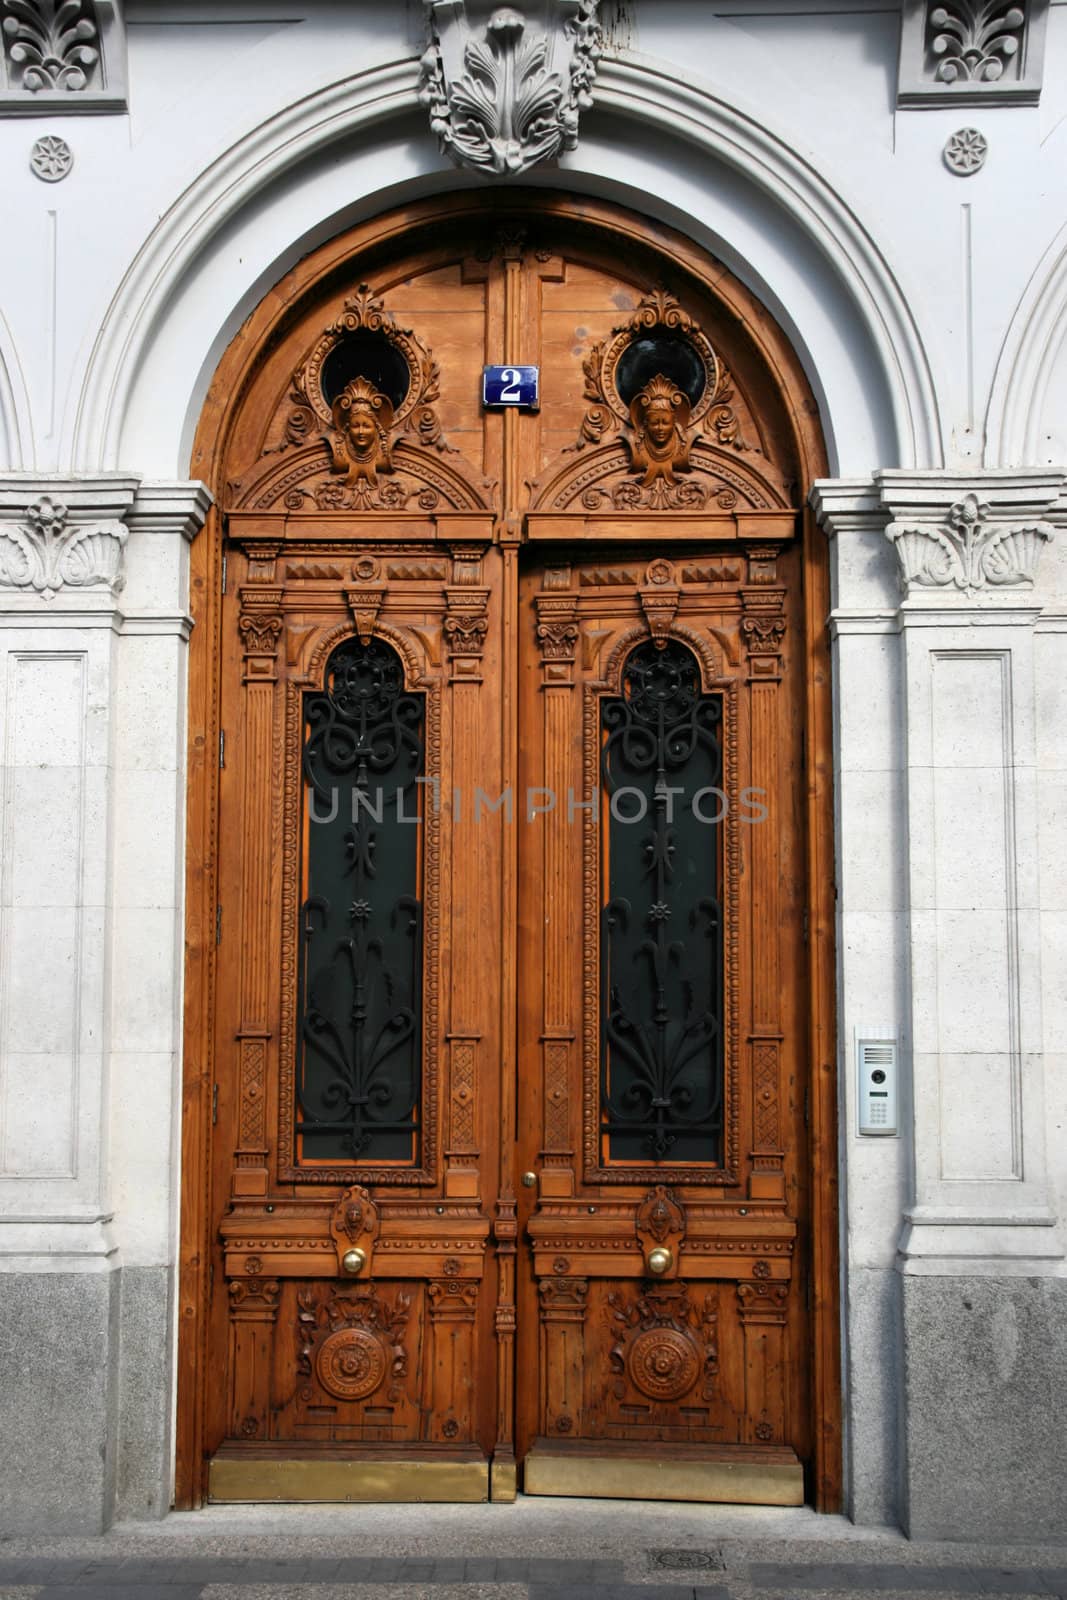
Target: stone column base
x=985, y=1438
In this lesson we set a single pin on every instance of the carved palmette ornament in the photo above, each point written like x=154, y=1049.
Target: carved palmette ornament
x=659, y=450
x=663, y=1346
x=353, y=1341
x=360, y=449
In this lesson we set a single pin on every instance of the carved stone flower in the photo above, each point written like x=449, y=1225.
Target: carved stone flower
x=966, y=151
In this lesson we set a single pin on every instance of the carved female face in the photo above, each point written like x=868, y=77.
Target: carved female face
x=659, y=424
x=362, y=431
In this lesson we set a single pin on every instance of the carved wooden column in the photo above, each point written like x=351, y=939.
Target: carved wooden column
x=260, y=627
x=253, y=1313
x=502, y=1479
x=557, y=635
x=453, y=1304
x=563, y=1305
x=763, y=629
x=762, y=1309
x=465, y=627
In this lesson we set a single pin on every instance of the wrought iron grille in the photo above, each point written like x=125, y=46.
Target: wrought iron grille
x=661, y=924
x=360, y=970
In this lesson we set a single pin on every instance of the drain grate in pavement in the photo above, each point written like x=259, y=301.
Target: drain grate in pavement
x=686, y=1560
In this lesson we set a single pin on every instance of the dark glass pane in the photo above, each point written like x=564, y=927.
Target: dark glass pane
x=661, y=940
x=665, y=353
x=365, y=354
x=360, y=977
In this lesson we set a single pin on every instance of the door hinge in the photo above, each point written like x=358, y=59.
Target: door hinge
x=214, y=1104
x=222, y=749
x=224, y=560
x=218, y=923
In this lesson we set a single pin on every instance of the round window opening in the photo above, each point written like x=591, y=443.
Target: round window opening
x=365, y=354
x=660, y=354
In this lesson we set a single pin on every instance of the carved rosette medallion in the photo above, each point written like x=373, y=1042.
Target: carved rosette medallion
x=363, y=1345
x=663, y=1345
x=663, y=1363
x=351, y=1364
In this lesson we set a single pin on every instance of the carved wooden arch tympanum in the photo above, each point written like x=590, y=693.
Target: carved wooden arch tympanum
x=509, y=1120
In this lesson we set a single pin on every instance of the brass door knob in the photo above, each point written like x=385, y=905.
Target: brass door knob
x=660, y=1260
x=529, y=1180
x=354, y=1261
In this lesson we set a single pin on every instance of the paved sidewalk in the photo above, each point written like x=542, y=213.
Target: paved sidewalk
x=535, y=1550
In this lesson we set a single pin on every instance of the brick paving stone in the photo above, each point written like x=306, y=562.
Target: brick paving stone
x=95, y=1591
x=856, y=1579
x=480, y=1569
x=615, y=1591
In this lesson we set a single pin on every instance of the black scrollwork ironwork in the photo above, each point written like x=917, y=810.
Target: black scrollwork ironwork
x=661, y=995
x=361, y=953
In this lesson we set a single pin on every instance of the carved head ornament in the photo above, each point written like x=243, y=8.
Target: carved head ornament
x=362, y=418
x=660, y=415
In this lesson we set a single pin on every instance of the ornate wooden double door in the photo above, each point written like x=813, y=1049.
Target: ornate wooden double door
x=510, y=1179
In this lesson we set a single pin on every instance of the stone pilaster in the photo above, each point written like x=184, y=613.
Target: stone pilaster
x=93, y=631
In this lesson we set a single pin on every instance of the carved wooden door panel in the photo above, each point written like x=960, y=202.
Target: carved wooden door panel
x=358, y=996
x=661, y=1032
x=508, y=1006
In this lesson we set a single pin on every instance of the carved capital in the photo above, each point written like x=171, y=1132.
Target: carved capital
x=260, y=627
x=971, y=549
x=466, y=623
x=971, y=52
x=763, y=630
x=254, y=1299
x=49, y=549
x=62, y=56
x=557, y=626
x=505, y=95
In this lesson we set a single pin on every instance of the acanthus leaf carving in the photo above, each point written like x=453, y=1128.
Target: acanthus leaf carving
x=508, y=97
x=970, y=550
x=48, y=551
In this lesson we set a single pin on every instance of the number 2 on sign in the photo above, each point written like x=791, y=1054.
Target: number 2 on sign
x=510, y=394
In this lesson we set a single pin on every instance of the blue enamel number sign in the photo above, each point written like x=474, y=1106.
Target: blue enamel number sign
x=510, y=386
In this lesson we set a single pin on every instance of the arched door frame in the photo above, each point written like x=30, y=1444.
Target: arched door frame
x=266, y=324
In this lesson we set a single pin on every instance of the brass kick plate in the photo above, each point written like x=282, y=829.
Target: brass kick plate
x=608, y=1477
x=301, y=1479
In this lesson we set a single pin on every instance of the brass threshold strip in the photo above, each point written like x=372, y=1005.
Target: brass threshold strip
x=607, y=1477
x=263, y=1479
